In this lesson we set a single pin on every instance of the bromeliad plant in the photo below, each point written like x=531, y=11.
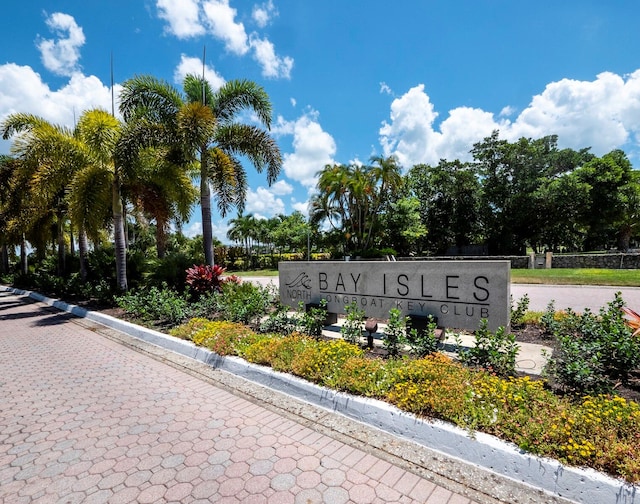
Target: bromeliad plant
x=205, y=278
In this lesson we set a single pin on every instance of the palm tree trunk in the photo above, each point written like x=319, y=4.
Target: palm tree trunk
x=5, y=259
x=82, y=250
x=205, y=205
x=24, y=266
x=161, y=237
x=72, y=246
x=118, y=237
x=61, y=247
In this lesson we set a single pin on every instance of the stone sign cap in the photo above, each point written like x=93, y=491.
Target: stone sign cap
x=458, y=293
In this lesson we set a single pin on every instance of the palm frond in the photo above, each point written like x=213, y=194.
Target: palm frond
x=253, y=142
x=237, y=95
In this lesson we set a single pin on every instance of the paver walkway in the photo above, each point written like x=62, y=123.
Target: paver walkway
x=86, y=419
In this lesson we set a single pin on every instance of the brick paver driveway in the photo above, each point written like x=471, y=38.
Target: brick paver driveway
x=84, y=418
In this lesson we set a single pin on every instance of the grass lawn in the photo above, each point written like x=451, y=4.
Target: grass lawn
x=560, y=276
x=583, y=276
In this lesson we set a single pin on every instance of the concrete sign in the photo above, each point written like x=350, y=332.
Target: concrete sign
x=458, y=293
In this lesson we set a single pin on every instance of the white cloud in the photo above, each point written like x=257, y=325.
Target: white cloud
x=22, y=90
x=272, y=64
x=190, y=18
x=293, y=102
x=182, y=17
x=507, y=111
x=263, y=203
x=189, y=65
x=301, y=206
x=410, y=134
x=193, y=229
x=281, y=188
x=603, y=114
x=220, y=18
x=61, y=56
x=263, y=13
x=385, y=89
x=313, y=148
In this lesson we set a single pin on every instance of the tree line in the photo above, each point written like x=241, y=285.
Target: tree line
x=511, y=197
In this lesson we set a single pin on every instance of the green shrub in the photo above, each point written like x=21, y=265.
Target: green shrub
x=353, y=325
x=594, y=352
x=495, y=352
x=281, y=322
x=422, y=342
x=223, y=337
x=312, y=318
x=187, y=330
x=160, y=305
x=319, y=361
x=394, y=332
x=518, y=311
x=245, y=303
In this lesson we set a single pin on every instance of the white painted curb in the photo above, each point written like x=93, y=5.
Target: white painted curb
x=580, y=485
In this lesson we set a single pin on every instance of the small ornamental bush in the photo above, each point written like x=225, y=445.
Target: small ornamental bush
x=222, y=337
x=312, y=319
x=433, y=387
x=277, y=352
x=353, y=325
x=161, y=305
x=394, y=332
x=204, y=279
x=245, y=303
x=319, y=360
x=187, y=330
x=594, y=352
x=280, y=322
x=518, y=310
x=422, y=342
x=494, y=352
x=364, y=376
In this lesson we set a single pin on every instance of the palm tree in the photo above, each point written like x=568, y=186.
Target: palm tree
x=102, y=133
x=350, y=198
x=202, y=125
x=162, y=190
x=243, y=229
x=48, y=159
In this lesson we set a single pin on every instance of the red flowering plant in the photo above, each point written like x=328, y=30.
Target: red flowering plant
x=205, y=278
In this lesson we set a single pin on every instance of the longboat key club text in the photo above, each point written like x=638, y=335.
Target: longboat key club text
x=458, y=293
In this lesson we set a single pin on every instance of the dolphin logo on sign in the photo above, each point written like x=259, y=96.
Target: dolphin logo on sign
x=302, y=280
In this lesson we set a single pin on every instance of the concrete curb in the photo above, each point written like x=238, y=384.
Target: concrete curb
x=488, y=452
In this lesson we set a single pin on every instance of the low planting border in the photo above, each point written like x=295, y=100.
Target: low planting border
x=488, y=452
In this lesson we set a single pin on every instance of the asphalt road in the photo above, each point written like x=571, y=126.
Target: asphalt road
x=576, y=297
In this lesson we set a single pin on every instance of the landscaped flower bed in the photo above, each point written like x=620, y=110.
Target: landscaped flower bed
x=602, y=432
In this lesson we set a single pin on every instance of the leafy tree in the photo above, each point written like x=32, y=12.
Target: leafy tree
x=449, y=196
x=291, y=232
x=511, y=173
x=606, y=178
x=404, y=227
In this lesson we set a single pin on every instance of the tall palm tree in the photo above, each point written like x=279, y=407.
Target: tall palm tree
x=102, y=133
x=200, y=124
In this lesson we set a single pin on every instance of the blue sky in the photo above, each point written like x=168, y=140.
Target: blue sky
x=423, y=80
